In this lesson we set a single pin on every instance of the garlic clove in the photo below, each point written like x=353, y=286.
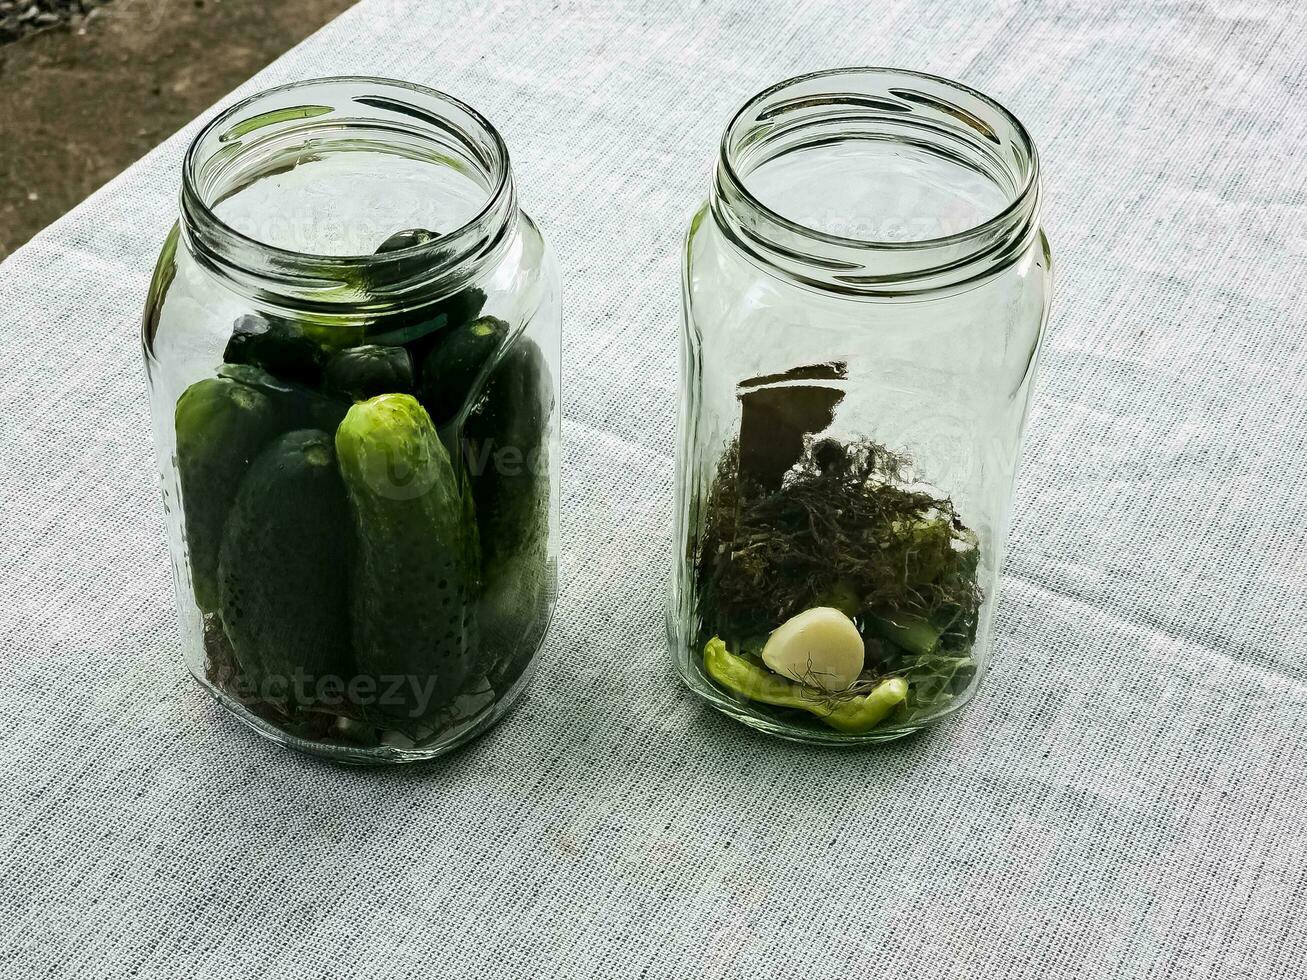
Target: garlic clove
x=820, y=647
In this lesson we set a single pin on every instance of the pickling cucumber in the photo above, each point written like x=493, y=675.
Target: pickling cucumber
x=505, y=440
x=393, y=272
x=414, y=581
x=456, y=363
x=221, y=425
x=277, y=345
x=283, y=571
x=297, y=406
x=359, y=373
x=506, y=453
x=514, y=610
x=408, y=238
x=416, y=328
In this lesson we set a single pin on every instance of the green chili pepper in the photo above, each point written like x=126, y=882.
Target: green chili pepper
x=855, y=715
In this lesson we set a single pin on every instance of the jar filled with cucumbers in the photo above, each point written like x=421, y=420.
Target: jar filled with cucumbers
x=352, y=347
x=865, y=290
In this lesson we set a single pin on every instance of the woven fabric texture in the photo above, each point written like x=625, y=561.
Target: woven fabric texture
x=1125, y=799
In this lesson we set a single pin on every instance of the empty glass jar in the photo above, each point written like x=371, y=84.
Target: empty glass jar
x=352, y=344
x=865, y=295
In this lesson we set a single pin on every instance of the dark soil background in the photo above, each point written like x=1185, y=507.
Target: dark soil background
x=88, y=86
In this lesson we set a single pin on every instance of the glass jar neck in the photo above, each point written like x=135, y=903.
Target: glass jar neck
x=895, y=117
x=278, y=130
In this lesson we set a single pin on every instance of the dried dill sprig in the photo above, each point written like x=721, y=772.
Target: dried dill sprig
x=847, y=528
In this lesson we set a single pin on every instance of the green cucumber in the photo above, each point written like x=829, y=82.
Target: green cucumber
x=505, y=441
x=360, y=373
x=456, y=363
x=506, y=452
x=514, y=615
x=297, y=406
x=410, y=262
x=221, y=425
x=408, y=238
x=415, y=571
x=283, y=572
x=416, y=328
x=277, y=345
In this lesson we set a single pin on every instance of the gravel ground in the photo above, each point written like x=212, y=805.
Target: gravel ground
x=19, y=18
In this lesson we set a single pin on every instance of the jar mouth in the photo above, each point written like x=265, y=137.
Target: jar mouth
x=274, y=131
x=900, y=120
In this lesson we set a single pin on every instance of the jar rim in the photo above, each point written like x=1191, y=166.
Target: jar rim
x=422, y=105
x=793, y=244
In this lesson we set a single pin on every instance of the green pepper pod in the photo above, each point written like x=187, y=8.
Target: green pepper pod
x=855, y=715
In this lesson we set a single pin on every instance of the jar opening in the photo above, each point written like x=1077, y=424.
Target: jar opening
x=292, y=191
x=878, y=181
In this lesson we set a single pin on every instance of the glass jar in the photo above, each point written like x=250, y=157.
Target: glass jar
x=865, y=295
x=352, y=347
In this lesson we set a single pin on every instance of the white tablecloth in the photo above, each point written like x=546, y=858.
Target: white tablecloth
x=1126, y=799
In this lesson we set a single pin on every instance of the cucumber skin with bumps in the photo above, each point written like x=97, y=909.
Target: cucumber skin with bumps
x=359, y=373
x=506, y=448
x=277, y=345
x=456, y=364
x=220, y=425
x=283, y=571
x=417, y=328
x=414, y=581
x=297, y=406
x=505, y=442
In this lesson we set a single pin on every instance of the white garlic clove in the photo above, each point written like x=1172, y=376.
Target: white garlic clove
x=819, y=647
